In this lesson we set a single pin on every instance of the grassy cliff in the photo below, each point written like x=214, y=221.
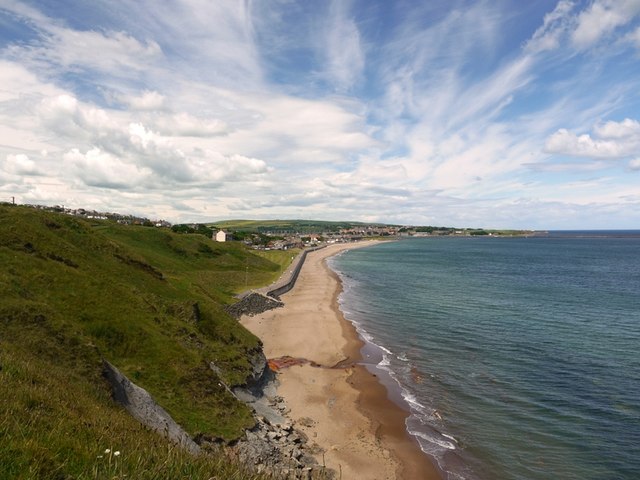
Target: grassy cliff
x=148, y=300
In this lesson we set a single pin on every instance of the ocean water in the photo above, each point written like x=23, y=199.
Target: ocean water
x=519, y=358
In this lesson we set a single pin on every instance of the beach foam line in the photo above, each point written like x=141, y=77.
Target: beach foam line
x=431, y=441
x=418, y=412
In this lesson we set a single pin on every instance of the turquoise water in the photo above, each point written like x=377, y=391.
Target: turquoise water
x=519, y=358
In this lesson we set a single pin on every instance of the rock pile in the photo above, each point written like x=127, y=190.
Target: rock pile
x=253, y=304
x=280, y=449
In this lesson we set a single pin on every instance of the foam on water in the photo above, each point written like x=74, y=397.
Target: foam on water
x=403, y=357
x=433, y=440
x=385, y=362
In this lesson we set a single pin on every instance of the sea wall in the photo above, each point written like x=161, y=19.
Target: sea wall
x=276, y=292
x=258, y=301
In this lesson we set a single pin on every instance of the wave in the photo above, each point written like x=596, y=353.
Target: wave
x=451, y=437
x=385, y=350
x=422, y=421
x=385, y=362
x=433, y=439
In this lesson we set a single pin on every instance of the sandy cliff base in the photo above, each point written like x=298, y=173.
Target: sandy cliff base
x=344, y=410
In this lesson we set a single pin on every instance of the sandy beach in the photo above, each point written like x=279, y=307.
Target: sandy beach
x=345, y=410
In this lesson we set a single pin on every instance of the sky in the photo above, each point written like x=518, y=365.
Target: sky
x=495, y=114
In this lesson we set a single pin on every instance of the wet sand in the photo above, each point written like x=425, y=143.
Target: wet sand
x=344, y=410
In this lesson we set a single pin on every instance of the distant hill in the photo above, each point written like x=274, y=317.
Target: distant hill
x=148, y=300
x=285, y=226
x=302, y=227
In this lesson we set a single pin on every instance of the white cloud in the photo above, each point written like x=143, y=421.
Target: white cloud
x=183, y=108
x=627, y=129
x=488, y=97
x=611, y=140
x=218, y=167
x=87, y=50
x=297, y=131
x=184, y=124
x=634, y=38
x=19, y=83
x=554, y=26
x=113, y=144
x=422, y=67
x=100, y=169
x=345, y=57
x=584, y=29
x=66, y=116
x=601, y=19
x=21, y=164
x=209, y=41
x=147, y=101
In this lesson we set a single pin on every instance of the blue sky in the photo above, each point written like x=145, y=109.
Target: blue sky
x=500, y=114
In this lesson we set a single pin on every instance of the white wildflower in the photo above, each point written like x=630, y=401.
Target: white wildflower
x=107, y=451
x=116, y=453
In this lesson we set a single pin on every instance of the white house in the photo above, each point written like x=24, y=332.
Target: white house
x=221, y=236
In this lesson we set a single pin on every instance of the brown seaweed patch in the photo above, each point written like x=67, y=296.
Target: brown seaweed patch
x=276, y=364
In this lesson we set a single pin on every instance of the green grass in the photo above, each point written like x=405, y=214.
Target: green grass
x=281, y=258
x=149, y=301
x=57, y=420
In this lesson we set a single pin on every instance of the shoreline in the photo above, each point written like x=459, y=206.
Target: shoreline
x=343, y=407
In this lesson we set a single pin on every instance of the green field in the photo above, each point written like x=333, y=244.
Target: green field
x=149, y=301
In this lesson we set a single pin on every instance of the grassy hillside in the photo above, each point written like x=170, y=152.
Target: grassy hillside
x=146, y=299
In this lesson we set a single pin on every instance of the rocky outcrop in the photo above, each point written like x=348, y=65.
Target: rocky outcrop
x=141, y=405
x=256, y=383
x=274, y=446
x=261, y=374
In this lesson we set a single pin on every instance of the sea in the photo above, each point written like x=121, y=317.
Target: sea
x=517, y=358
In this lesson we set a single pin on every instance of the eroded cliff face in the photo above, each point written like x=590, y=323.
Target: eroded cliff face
x=273, y=445
x=261, y=375
x=141, y=405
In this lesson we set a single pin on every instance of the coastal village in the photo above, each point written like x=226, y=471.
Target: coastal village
x=294, y=234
